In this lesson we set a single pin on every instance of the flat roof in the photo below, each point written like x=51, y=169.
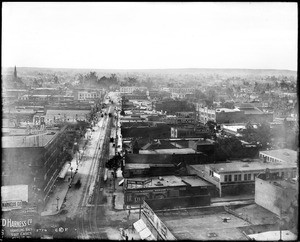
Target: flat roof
x=282, y=154
x=233, y=127
x=166, y=181
x=284, y=235
x=169, y=151
x=227, y=110
x=137, y=166
x=199, y=227
x=199, y=223
x=239, y=166
x=67, y=111
x=19, y=141
x=284, y=184
x=195, y=181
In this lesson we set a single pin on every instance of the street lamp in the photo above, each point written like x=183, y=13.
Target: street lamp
x=71, y=171
x=57, y=199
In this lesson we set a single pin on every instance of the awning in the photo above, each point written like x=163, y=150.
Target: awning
x=139, y=225
x=121, y=182
x=145, y=233
x=143, y=230
x=64, y=170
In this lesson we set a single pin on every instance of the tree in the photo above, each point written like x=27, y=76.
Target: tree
x=212, y=95
x=114, y=163
x=122, y=112
x=262, y=134
x=229, y=105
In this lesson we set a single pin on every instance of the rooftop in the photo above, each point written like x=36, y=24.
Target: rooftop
x=234, y=128
x=195, y=181
x=285, y=184
x=227, y=110
x=162, y=181
x=285, y=155
x=204, y=227
x=137, y=166
x=68, y=112
x=19, y=141
x=169, y=151
x=208, y=223
x=286, y=235
x=239, y=166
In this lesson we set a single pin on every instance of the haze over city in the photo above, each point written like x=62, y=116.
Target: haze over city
x=150, y=35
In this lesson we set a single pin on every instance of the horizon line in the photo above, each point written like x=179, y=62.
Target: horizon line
x=170, y=68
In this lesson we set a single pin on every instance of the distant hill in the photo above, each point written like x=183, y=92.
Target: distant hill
x=203, y=71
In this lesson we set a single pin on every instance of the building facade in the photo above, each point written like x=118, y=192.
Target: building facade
x=239, y=177
x=34, y=160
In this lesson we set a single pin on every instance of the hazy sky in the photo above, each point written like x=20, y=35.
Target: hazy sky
x=150, y=35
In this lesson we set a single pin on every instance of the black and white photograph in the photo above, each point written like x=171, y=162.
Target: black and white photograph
x=149, y=121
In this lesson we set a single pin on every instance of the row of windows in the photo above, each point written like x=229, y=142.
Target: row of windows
x=238, y=177
x=249, y=177
x=270, y=159
x=88, y=95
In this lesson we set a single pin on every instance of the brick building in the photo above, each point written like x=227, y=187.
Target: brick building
x=34, y=160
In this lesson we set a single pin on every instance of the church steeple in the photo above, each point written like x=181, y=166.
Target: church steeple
x=15, y=73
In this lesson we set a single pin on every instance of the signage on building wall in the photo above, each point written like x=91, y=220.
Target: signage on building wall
x=148, y=212
x=138, y=182
x=17, y=229
x=14, y=193
x=157, y=223
x=8, y=205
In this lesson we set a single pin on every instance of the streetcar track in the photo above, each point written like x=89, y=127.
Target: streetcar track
x=81, y=220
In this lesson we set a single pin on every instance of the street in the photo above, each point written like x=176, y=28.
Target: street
x=92, y=204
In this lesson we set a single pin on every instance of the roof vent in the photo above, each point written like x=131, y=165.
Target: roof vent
x=158, y=183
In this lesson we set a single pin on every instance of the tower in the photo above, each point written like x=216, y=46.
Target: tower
x=15, y=73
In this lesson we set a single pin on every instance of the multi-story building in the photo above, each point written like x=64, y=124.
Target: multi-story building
x=277, y=195
x=236, y=115
x=189, y=132
x=33, y=158
x=185, y=118
x=136, y=190
x=181, y=90
x=131, y=89
x=238, y=177
x=54, y=116
x=280, y=155
x=88, y=94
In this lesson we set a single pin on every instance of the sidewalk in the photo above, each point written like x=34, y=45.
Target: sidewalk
x=61, y=187
x=118, y=201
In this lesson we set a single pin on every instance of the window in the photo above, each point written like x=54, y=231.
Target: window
x=129, y=198
x=247, y=177
x=238, y=177
x=227, y=178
